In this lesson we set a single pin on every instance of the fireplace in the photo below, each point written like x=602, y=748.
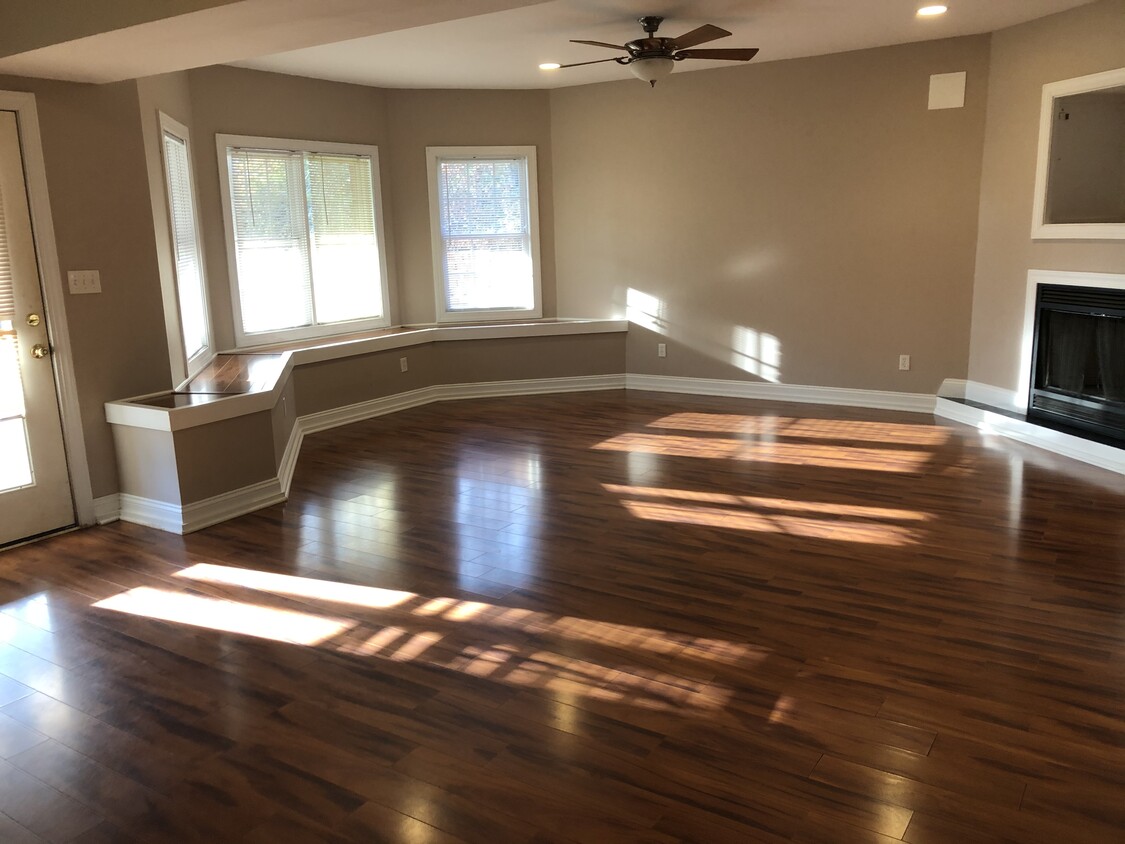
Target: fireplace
x=1078, y=360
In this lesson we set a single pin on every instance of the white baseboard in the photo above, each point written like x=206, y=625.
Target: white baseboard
x=237, y=502
x=1068, y=445
x=151, y=513
x=322, y=421
x=994, y=396
x=107, y=509
x=912, y=402
x=953, y=388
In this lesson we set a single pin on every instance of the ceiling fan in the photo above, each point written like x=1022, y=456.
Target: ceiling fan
x=651, y=58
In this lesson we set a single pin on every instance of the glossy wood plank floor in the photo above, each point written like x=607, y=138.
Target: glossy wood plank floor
x=609, y=617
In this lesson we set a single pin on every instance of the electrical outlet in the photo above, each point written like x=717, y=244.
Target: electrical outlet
x=904, y=362
x=402, y=364
x=662, y=350
x=84, y=281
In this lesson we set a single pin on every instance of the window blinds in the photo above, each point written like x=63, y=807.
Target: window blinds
x=485, y=234
x=267, y=195
x=344, y=247
x=185, y=243
x=11, y=385
x=7, y=290
x=305, y=240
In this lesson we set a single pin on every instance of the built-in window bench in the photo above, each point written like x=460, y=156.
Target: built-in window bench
x=226, y=442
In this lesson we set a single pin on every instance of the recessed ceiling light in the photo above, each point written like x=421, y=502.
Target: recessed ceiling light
x=550, y=66
x=931, y=9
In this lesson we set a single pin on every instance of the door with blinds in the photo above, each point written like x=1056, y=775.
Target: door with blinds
x=35, y=492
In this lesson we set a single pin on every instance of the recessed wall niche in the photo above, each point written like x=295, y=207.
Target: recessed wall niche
x=1080, y=179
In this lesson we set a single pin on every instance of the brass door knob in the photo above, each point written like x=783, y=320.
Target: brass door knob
x=39, y=351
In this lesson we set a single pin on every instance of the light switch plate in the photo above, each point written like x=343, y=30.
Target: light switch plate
x=84, y=281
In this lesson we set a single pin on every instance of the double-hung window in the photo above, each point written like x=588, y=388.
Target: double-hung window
x=304, y=238
x=484, y=223
x=188, y=321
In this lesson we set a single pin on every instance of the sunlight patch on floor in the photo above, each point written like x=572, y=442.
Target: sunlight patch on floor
x=262, y=622
x=730, y=519
x=300, y=587
x=518, y=647
x=834, y=429
x=795, y=454
x=783, y=504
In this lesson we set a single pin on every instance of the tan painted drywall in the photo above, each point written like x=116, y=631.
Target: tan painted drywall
x=421, y=118
x=345, y=381
x=815, y=201
x=521, y=358
x=402, y=123
x=249, y=102
x=102, y=218
x=1086, y=40
x=224, y=456
x=28, y=26
x=338, y=383
x=146, y=462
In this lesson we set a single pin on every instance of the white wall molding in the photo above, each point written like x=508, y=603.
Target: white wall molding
x=1068, y=445
x=151, y=513
x=953, y=388
x=765, y=391
x=997, y=397
x=334, y=417
x=238, y=502
x=107, y=508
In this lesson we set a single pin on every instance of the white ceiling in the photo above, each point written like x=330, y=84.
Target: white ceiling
x=503, y=49
x=491, y=43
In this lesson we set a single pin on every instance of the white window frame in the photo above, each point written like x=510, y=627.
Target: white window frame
x=183, y=367
x=434, y=156
x=244, y=340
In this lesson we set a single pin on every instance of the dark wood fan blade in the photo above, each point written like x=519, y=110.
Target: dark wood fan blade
x=731, y=55
x=595, y=61
x=600, y=44
x=700, y=35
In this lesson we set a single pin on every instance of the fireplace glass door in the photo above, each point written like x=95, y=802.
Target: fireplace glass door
x=1079, y=364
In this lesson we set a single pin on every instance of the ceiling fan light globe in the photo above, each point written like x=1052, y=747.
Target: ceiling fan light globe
x=651, y=69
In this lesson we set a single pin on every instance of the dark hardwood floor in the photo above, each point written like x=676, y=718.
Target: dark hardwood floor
x=606, y=617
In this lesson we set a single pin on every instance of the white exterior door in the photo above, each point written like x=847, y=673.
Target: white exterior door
x=35, y=492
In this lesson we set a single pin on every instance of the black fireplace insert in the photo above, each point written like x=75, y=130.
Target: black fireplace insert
x=1078, y=365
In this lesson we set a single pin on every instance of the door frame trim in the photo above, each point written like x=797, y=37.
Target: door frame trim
x=54, y=301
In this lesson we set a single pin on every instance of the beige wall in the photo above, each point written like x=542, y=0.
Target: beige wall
x=249, y=102
x=338, y=383
x=102, y=215
x=1086, y=40
x=31, y=25
x=420, y=118
x=227, y=455
x=815, y=201
x=402, y=123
